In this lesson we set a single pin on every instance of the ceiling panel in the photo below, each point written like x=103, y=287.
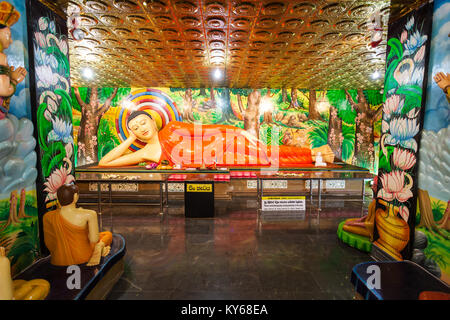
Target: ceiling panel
x=265, y=43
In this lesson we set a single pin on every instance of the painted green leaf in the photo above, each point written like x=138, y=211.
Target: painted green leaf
x=319, y=134
x=389, y=80
x=347, y=114
x=396, y=49
x=65, y=106
x=348, y=144
x=63, y=67
x=413, y=97
x=385, y=162
x=44, y=127
x=53, y=158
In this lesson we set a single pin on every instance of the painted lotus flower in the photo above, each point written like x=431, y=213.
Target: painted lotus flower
x=43, y=23
x=404, y=213
x=62, y=131
x=40, y=55
x=384, y=126
x=417, y=75
x=414, y=42
x=420, y=54
x=52, y=27
x=52, y=105
x=393, y=104
x=402, y=132
x=40, y=39
x=393, y=186
x=63, y=46
x=46, y=76
x=403, y=159
x=69, y=150
x=58, y=178
x=413, y=113
x=404, y=36
x=410, y=23
x=404, y=71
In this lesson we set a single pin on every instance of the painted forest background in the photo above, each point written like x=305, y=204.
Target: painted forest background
x=347, y=120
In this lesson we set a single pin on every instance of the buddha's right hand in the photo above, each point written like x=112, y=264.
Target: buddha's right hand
x=132, y=137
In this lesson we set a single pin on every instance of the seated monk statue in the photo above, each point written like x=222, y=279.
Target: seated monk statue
x=190, y=145
x=71, y=234
x=364, y=226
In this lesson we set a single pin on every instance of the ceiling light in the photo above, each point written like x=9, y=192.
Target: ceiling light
x=87, y=73
x=217, y=74
x=375, y=75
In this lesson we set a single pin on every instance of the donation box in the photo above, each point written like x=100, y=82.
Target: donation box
x=199, y=200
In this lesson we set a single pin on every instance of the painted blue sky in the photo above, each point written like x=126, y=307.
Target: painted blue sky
x=437, y=112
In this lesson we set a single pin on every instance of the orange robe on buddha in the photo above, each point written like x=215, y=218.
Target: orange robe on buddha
x=68, y=244
x=193, y=145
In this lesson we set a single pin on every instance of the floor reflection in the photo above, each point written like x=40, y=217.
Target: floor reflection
x=239, y=254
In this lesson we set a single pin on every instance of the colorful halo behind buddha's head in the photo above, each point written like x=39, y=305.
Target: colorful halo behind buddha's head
x=155, y=102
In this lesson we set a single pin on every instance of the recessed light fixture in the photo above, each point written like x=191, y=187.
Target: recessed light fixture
x=87, y=73
x=375, y=75
x=217, y=74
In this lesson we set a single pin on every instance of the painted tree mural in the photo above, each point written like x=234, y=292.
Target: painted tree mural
x=313, y=112
x=92, y=112
x=364, y=130
x=335, y=137
x=351, y=125
x=251, y=116
x=266, y=113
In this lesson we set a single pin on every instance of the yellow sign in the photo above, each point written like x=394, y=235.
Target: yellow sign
x=199, y=187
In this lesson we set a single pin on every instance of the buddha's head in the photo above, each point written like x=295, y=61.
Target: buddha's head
x=67, y=194
x=142, y=125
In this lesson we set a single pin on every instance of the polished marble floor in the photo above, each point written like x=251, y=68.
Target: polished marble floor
x=238, y=254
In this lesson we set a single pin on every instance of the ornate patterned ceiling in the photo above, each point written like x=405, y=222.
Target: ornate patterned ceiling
x=258, y=43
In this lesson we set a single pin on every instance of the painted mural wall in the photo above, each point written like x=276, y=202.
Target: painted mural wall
x=18, y=199
x=51, y=97
x=432, y=245
x=404, y=90
x=346, y=120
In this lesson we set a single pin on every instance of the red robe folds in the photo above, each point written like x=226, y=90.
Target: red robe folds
x=193, y=145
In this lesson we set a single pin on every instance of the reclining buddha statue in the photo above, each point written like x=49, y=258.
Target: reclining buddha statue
x=193, y=145
x=71, y=234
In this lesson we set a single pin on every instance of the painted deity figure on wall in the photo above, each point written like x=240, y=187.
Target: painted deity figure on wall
x=9, y=76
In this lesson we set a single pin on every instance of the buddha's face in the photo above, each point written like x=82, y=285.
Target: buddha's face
x=143, y=127
x=5, y=37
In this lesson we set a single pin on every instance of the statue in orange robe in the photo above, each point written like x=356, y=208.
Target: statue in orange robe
x=191, y=145
x=71, y=234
